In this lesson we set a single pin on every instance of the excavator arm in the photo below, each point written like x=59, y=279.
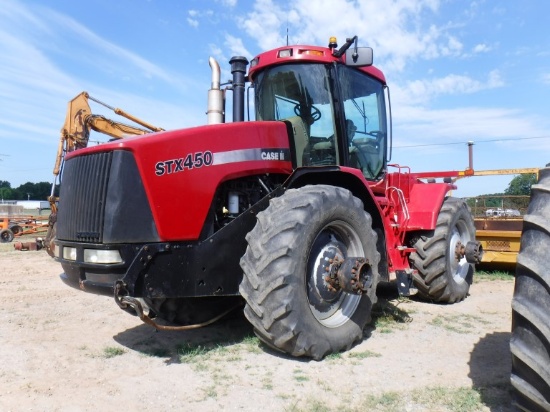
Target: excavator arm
x=79, y=121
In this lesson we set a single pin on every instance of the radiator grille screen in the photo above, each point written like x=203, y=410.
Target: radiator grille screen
x=82, y=198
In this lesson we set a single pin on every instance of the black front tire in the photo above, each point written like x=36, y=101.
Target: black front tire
x=442, y=277
x=289, y=303
x=530, y=343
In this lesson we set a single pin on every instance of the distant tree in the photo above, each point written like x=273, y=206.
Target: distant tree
x=5, y=183
x=34, y=191
x=6, y=193
x=521, y=185
x=42, y=190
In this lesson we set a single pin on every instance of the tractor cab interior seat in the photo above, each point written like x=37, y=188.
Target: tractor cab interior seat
x=301, y=140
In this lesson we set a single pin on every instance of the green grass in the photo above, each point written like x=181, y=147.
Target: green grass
x=267, y=383
x=251, y=344
x=299, y=376
x=190, y=353
x=483, y=275
x=112, y=351
x=387, y=316
x=458, y=323
x=225, y=350
x=364, y=355
x=440, y=398
x=334, y=356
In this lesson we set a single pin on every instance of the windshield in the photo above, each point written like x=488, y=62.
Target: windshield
x=300, y=93
x=365, y=115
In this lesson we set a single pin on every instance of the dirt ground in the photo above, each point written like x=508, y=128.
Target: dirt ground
x=65, y=350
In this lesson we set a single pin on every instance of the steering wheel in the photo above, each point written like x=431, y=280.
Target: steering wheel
x=361, y=147
x=377, y=134
x=315, y=112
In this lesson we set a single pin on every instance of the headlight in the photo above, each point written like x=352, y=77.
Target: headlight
x=102, y=256
x=69, y=253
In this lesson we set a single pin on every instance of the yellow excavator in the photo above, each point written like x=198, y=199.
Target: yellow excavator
x=75, y=134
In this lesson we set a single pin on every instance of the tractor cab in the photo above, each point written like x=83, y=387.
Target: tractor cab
x=336, y=109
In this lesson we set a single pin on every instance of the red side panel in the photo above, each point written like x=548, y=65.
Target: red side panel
x=425, y=202
x=182, y=169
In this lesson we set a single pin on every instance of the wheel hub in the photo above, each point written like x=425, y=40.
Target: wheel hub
x=352, y=275
x=321, y=295
x=472, y=251
x=330, y=306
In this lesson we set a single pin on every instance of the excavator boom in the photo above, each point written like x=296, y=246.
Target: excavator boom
x=79, y=120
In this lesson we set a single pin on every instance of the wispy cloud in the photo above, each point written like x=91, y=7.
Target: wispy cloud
x=395, y=30
x=115, y=53
x=34, y=89
x=466, y=123
x=194, y=16
x=423, y=91
x=481, y=48
x=545, y=78
x=236, y=46
x=228, y=3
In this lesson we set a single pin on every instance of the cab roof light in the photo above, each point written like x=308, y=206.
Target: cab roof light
x=284, y=53
x=312, y=52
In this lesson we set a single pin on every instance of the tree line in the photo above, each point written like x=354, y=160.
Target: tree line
x=519, y=186
x=26, y=191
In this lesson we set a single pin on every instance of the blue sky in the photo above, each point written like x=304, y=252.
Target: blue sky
x=457, y=70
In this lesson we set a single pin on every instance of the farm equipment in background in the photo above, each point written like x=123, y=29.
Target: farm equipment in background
x=298, y=215
x=499, y=228
x=530, y=343
x=6, y=234
x=499, y=221
x=75, y=134
x=13, y=227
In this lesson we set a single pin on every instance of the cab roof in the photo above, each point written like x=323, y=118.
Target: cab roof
x=303, y=54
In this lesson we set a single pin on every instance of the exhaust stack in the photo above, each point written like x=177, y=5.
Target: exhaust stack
x=216, y=97
x=238, y=70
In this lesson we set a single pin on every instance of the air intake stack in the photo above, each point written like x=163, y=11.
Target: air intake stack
x=238, y=70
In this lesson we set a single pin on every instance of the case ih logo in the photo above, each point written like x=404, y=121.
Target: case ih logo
x=274, y=154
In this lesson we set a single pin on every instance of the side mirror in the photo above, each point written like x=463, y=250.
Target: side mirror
x=362, y=56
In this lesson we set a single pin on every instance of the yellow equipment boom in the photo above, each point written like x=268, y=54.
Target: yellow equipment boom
x=79, y=121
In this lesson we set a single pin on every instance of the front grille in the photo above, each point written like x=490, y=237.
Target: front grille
x=82, y=198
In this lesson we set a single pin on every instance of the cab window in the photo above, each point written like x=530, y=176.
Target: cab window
x=301, y=94
x=365, y=121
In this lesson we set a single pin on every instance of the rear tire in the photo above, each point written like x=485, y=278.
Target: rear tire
x=530, y=343
x=442, y=277
x=6, y=236
x=289, y=303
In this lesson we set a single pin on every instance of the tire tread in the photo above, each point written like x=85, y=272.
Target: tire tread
x=530, y=343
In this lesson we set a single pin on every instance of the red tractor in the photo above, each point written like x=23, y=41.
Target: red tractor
x=297, y=213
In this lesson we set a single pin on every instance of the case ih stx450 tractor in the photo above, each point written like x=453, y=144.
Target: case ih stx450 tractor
x=298, y=214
